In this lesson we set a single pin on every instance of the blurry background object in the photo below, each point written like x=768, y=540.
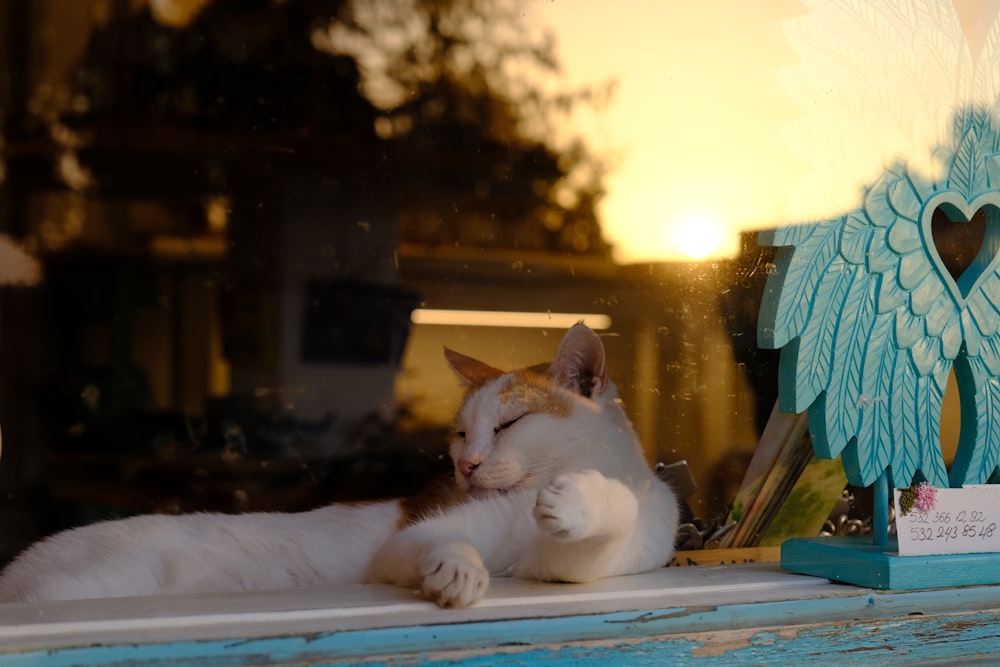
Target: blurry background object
x=17, y=267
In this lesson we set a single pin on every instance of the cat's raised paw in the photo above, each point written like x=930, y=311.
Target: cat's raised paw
x=454, y=575
x=562, y=510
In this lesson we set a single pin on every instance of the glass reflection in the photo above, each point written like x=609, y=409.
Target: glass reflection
x=237, y=207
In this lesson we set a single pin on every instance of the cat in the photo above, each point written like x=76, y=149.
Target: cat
x=550, y=483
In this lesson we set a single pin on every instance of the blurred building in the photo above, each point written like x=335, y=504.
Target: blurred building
x=233, y=240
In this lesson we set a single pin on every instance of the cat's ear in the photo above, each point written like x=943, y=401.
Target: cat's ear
x=471, y=371
x=579, y=364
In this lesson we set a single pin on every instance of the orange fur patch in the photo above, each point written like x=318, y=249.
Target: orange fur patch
x=534, y=393
x=436, y=497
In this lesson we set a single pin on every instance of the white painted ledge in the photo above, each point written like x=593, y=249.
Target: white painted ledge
x=715, y=614
x=301, y=612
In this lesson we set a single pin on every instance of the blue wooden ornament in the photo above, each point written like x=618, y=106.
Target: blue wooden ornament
x=870, y=323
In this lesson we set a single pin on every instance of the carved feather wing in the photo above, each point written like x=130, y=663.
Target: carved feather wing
x=870, y=322
x=829, y=303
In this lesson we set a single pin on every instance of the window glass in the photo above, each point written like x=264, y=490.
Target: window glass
x=235, y=236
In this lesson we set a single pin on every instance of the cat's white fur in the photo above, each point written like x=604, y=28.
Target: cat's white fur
x=557, y=489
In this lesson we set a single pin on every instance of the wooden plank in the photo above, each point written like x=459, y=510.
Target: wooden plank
x=304, y=611
x=856, y=629
x=731, y=615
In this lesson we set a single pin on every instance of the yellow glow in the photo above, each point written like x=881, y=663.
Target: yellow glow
x=759, y=110
x=684, y=137
x=497, y=318
x=217, y=213
x=698, y=235
x=176, y=13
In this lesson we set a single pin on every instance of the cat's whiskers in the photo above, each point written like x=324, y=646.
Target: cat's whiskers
x=542, y=471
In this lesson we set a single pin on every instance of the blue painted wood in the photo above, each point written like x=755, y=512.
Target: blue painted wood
x=856, y=628
x=857, y=560
x=870, y=323
x=880, y=518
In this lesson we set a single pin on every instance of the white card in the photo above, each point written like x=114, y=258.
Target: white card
x=958, y=521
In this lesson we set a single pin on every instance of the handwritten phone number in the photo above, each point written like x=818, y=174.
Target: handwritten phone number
x=929, y=526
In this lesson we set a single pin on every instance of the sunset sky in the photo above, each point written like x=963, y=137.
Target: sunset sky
x=693, y=123
x=729, y=115
x=732, y=115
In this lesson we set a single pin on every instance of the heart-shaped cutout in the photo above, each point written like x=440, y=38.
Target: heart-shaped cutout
x=962, y=239
x=958, y=242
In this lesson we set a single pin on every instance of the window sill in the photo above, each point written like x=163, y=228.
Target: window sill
x=741, y=611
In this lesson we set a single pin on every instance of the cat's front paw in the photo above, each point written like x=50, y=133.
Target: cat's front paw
x=454, y=575
x=562, y=509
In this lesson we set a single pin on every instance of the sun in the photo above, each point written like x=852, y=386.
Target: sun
x=697, y=235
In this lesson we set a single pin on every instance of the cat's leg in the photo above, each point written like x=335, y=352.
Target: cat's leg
x=585, y=505
x=448, y=569
x=450, y=555
x=453, y=574
x=593, y=526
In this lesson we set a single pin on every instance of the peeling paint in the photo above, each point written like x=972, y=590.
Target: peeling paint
x=851, y=627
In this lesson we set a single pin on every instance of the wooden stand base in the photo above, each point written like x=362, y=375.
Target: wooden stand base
x=856, y=560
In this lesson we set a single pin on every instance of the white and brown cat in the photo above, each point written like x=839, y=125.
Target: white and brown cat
x=553, y=486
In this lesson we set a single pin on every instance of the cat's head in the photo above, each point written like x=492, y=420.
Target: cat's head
x=520, y=429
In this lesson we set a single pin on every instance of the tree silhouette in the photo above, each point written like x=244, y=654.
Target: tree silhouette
x=455, y=82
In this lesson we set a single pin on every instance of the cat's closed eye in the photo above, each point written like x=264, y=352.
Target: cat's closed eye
x=507, y=424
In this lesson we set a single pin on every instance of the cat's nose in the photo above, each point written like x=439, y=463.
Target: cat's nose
x=467, y=467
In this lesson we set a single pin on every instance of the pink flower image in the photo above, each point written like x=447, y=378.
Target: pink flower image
x=924, y=496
